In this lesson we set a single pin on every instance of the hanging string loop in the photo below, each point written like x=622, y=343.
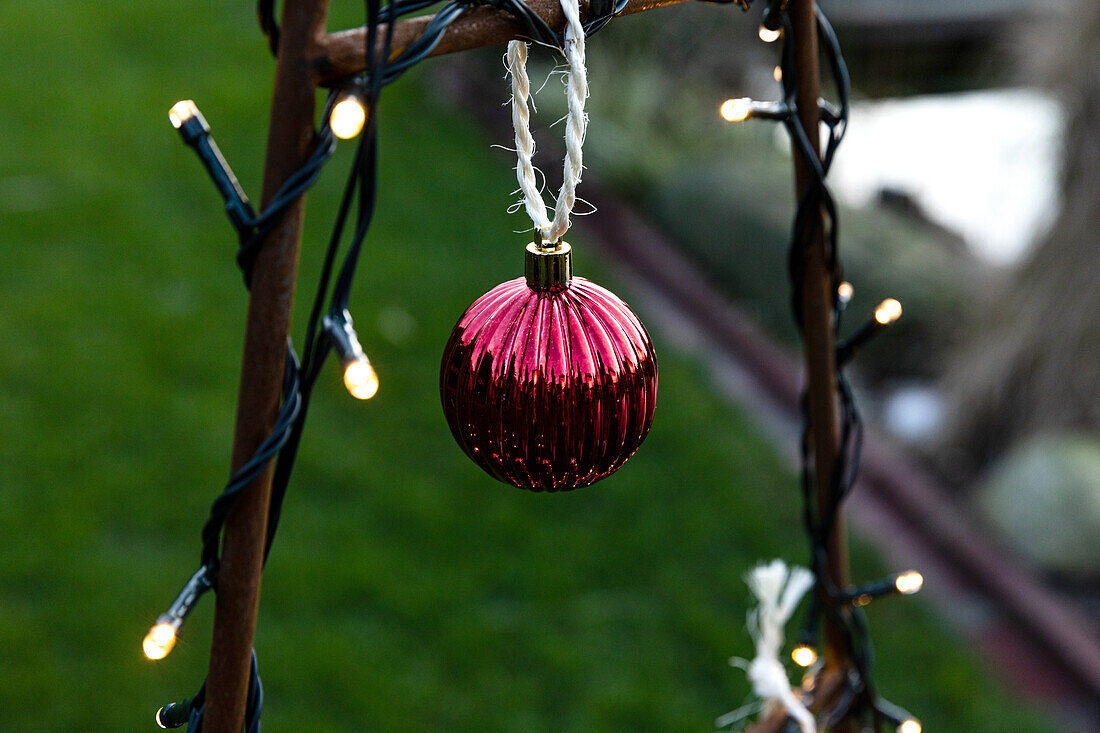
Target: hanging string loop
x=576, y=125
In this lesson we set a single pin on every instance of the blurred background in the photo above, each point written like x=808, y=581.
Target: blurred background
x=406, y=589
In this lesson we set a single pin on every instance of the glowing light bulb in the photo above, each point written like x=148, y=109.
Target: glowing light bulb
x=804, y=655
x=909, y=726
x=159, y=641
x=845, y=291
x=347, y=118
x=182, y=111
x=736, y=110
x=777, y=73
x=361, y=379
x=909, y=583
x=888, y=311
x=767, y=35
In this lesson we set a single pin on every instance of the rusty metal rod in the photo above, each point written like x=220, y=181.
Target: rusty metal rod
x=820, y=346
x=290, y=140
x=817, y=317
x=343, y=53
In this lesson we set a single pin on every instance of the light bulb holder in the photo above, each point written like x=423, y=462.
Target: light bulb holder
x=830, y=113
x=847, y=349
x=751, y=109
x=177, y=614
x=187, y=599
x=175, y=714
x=195, y=132
x=341, y=334
x=808, y=635
x=768, y=110
x=895, y=715
x=864, y=594
x=773, y=15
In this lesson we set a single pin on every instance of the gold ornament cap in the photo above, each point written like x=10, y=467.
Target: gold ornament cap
x=548, y=268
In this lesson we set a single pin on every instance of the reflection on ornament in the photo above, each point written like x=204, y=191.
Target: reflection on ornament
x=549, y=381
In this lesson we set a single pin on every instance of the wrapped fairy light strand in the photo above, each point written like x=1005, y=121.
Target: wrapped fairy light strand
x=816, y=217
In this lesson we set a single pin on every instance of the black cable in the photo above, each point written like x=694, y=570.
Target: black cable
x=266, y=10
x=600, y=12
x=253, y=234
x=268, y=449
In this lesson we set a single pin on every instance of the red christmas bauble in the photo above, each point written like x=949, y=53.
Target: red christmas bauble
x=549, y=381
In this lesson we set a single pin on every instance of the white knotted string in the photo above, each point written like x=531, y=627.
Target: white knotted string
x=576, y=122
x=778, y=591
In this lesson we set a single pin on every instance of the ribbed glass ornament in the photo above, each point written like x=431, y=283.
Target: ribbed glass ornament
x=549, y=389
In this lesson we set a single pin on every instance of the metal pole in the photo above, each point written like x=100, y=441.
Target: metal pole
x=290, y=139
x=820, y=348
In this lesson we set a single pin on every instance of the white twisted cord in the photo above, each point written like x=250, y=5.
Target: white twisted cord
x=525, y=144
x=778, y=591
x=576, y=124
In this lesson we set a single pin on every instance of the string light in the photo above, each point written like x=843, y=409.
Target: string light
x=185, y=117
x=888, y=311
x=361, y=380
x=736, y=110
x=160, y=640
x=909, y=582
x=174, y=715
x=803, y=655
x=739, y=110
x=359, y=376
x=845, y=291
x=772, y=20
x=182, y=111
x=348, y=117
x=906, y=584
x=777, y=73
x=767, y=35
x=903, y=721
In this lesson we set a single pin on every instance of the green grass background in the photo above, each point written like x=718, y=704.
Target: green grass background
x=406, y=591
